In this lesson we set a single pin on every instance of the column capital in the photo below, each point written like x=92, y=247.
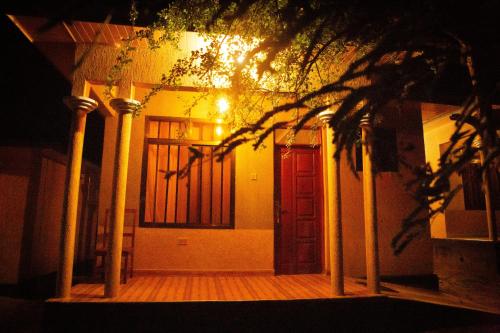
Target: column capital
x=124, y=105
x=477, y=142
x=325, y=116
x=80, y=103
x=365, y=121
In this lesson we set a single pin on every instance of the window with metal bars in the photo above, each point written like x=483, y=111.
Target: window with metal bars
x=172, y=195
x=472, y=186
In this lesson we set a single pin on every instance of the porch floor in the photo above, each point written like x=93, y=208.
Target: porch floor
x=247, y=287
x=218, y=287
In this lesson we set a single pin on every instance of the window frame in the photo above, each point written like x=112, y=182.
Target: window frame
x=181, y=142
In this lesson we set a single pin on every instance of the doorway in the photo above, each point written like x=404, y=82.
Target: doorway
x=298, y=210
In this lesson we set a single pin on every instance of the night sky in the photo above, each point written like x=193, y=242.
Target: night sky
x=32, y=112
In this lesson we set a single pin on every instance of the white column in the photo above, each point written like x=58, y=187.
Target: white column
x=80, y=106
x=334, y=211
x=490, y=212
x=370, y=208
x=125, y=108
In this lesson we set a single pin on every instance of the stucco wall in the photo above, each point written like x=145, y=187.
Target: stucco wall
x=147, y=66
x=393, y=204
x=32, y=183
x=47, y=230
x=247, y=248
x=456, y=221
x=12, y=206
x=254, y=198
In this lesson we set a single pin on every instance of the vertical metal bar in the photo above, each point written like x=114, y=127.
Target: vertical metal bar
x=177, y=182
x=211, y=180
x=221, y=189
x=156, y=173
x=167, y=175
x=232, y=186
x=188, y=204
x=200, y=182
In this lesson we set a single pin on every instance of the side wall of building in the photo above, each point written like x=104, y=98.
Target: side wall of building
x=31, y=210
x=456, y=220
x=14, y=183
x=394, y=203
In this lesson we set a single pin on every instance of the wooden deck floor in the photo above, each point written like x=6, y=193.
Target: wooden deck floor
x=195, y=288
x=182, y=288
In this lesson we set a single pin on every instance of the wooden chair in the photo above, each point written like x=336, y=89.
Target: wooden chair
x=101, y=251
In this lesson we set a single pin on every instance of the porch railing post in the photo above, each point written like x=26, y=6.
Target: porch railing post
x=334, y=211
x=125, y=108
x=490, y=211
x=370, y=208
x=80, y=107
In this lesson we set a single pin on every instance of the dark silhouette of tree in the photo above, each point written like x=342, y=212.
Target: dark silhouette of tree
x=352, y=55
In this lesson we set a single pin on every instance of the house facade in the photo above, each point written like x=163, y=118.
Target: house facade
x=256, y=211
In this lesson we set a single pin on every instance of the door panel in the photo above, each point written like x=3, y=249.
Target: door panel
x=298, y=226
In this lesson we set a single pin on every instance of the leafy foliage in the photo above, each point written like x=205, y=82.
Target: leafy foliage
x=303, y=57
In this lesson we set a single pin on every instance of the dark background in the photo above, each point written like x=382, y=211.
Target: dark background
x=32, y=112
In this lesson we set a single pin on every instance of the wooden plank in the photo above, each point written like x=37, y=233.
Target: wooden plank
x=243, y=289
x=228, y=287
x=155, y=287
x=162, y=289
x=198, y=287
x=170, y=296
x=254, y=287
x=316, y=287
x=300, y=289
x=221, y=295
x=212, y=291
x=195, y=289
x=182, y=289
x=129, y=291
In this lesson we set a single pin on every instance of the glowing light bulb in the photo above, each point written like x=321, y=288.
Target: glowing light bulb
x=218, y=130
x=240, y=59
x=223, y=105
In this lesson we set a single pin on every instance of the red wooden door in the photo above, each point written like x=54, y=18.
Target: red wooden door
x=298, y=208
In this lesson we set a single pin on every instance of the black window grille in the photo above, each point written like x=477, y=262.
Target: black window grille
x=472, y=186
x=172, y=195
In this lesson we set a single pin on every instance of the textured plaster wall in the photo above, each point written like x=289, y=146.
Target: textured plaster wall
x=254, y=198
x=16, y=180
x=12, y=206
x=31, y=209
x=147, y=66
x=249, y=247
x=437, y=132
x=49, y=217
x=456, y=221
x=393, y=204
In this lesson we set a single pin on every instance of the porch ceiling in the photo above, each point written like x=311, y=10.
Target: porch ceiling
x=43, y=30
x=40, y=31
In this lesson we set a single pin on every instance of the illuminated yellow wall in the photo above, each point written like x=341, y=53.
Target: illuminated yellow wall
x=393, y=204
x=456, y=221
x=254, y=198
x=146, y=67
x=247, y=248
